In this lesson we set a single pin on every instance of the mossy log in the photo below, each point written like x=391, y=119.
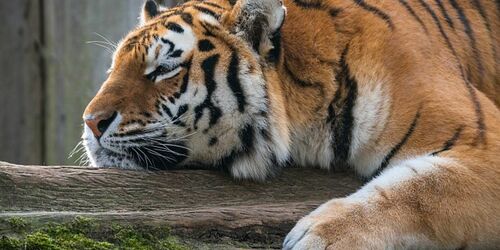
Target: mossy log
x=196, y=204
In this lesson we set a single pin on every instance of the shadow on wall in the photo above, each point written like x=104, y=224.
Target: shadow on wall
x=53, y=62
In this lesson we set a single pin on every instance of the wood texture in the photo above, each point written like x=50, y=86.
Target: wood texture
x=21, y=82
x=200, y=204
x=76, y=66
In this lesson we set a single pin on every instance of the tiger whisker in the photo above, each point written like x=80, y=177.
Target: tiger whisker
x=78, y=147
x=115, y=45
x=159, y=155
x=102, y=46
x=164, y=147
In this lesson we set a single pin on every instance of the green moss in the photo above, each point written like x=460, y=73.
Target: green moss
x=171, y=243
x=84, y=233
x=18, y=225
x=9, y=243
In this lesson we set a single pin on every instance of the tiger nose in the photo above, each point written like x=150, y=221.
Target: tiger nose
x=99, y=124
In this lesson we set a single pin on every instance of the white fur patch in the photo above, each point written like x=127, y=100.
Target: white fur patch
x=208, y=19
x=257, y=164
x=95, y=150
x=312, y=147
x=370, y=116
x=399, y=173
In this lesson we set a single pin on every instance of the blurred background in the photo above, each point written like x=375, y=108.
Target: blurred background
x=53, y=59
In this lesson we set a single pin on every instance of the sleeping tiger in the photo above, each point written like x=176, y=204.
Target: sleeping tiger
x=406, y=92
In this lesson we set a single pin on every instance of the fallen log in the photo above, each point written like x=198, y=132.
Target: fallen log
x=202, y=205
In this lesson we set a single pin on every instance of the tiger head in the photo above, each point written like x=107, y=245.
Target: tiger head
x=189, y=87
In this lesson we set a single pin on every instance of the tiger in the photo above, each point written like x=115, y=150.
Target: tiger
x=406, y=93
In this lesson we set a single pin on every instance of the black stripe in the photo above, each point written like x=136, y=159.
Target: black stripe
x=486, y=20
x=332, y=11
x=182, y=110
x=214, y=5
x=375, y=11
x=158, y=106
x=274, y=54
x=185, y=79
x=166, y=110
x=343, y=120
x=449, y=144
x=177, y=95
x=146, y=114
x=185, y=82
x=398, y=146
x=174, y=27
x=207, y=11
x=132, y=132
x=188, y=18
x=205, y=45
x=176, y=54
x=308, y=4
x=470, y=33
x=470, y=88
x=247, y=138
x=233, y=80
x=264, y=132
x=208, y=29
x=170, y=44
x=254, y=34
x=481, y=126
x=208, y=66
x=412, y=12
x=445, y=14
x=212, y=141
x=481, y=11
x=171, y=100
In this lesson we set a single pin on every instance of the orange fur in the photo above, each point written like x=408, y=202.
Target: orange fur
x=437, y=71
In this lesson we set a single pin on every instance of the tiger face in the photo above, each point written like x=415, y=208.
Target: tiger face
x=188, y=87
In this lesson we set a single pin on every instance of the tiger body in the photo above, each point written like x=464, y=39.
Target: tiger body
x=406, y=92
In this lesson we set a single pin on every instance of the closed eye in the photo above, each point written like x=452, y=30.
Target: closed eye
x=163, y=72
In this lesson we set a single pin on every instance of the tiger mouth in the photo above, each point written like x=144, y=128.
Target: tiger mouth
x=151, y=156
x=158, y=156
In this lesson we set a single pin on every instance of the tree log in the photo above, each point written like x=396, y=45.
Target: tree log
x=204, y=205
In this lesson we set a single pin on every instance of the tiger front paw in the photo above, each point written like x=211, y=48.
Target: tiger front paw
x=304, y=236
x=334, y=225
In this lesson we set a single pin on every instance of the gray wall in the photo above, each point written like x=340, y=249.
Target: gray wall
x=49, y=71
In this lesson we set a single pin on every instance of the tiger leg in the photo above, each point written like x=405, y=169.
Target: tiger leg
x=429, y=202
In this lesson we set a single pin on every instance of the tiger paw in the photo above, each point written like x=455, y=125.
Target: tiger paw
x=334, y=225
x=304, y=236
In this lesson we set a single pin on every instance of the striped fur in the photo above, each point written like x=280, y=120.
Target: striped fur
x=405, y=92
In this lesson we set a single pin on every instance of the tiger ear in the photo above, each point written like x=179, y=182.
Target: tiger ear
x=256, y=21
x=150, y=10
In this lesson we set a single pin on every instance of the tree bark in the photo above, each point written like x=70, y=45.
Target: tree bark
x=197, y=204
